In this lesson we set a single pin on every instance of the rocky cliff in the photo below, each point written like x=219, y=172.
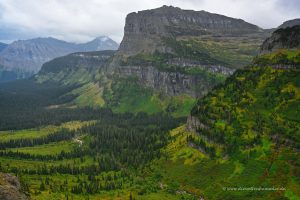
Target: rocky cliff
x=10, y=188
x=283, y=38
x=169, y=82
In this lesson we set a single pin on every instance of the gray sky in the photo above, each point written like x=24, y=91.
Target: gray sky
x=82, y=20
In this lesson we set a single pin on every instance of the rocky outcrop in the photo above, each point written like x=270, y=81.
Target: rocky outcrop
x=10, y=188
x=193, y=124
x=284, y=38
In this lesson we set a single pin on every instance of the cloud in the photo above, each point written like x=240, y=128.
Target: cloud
x=82, y=20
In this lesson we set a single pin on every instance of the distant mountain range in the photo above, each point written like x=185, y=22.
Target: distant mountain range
x=23, y=58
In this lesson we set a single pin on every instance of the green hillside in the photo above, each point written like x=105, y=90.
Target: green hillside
x=262, y=100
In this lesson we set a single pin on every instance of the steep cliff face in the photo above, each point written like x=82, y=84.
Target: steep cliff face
x=169, y=82
x=183, y=51
x=283, y=38
x=10, y=188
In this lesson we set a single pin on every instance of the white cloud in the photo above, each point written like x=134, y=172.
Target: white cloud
x=82, y=20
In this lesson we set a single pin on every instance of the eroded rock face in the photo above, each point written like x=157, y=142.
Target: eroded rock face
x=10, y=188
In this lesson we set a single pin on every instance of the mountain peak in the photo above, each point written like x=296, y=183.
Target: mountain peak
x=101, y=43
x=102, y=38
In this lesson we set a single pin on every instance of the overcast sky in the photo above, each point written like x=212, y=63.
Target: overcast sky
x=82, y=20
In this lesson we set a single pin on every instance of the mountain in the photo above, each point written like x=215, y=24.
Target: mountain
x=99, y=44
x=24, y=57
x=172, y=50
x=290, y=23
x=2, y=46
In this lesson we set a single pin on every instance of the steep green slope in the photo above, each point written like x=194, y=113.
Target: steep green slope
x=259, y=101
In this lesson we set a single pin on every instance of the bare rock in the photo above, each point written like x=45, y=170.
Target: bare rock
x=10, y=188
